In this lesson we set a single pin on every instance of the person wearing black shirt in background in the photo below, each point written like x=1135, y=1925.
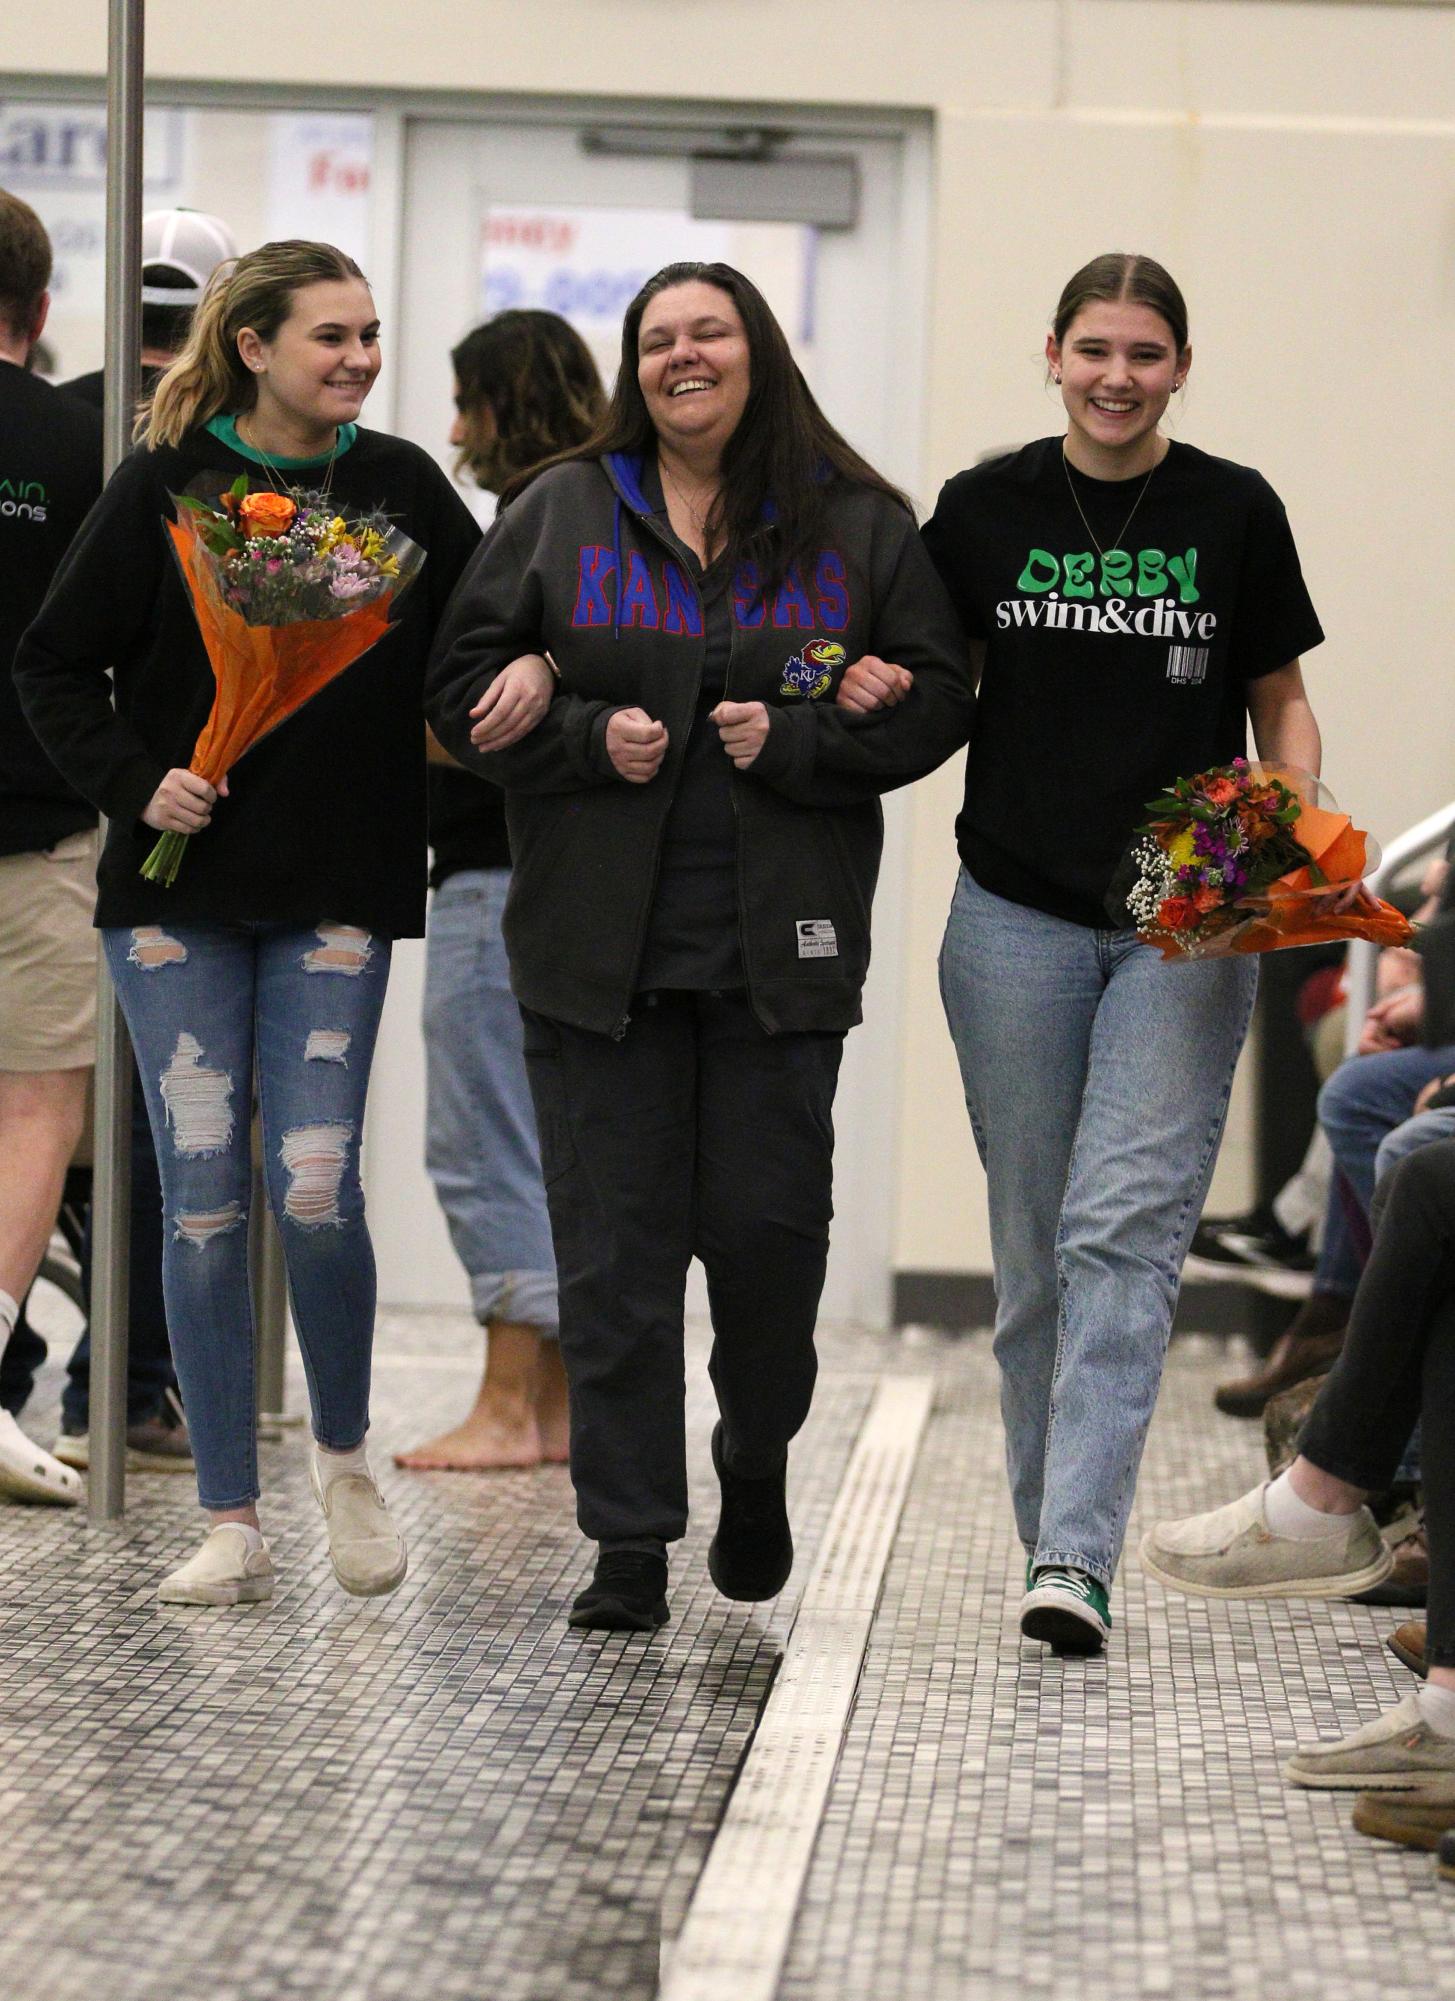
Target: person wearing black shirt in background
x=273, y=943
x=50, y=473
x=526, y=387
x=1131, y=602
x=180, y=250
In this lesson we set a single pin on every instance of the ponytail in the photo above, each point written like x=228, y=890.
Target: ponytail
x=208, y=378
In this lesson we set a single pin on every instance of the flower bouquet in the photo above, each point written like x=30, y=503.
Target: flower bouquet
x=1248, y=858
x=287, y=593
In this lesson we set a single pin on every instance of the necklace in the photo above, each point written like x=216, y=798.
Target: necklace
x=698, y=514
x=278, y=484
x=1116, y=541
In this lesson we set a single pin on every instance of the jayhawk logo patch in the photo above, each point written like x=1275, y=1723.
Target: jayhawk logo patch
x=810, y=674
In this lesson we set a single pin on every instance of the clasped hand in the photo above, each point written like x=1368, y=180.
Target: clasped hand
x=183, y=802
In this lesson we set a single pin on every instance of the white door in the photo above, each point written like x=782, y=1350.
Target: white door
x=498, y=214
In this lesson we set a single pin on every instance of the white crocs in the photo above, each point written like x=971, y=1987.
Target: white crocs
x=229, y=1569
x=29, y=1473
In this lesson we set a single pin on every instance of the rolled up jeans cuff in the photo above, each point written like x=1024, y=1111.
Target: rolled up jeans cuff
x=525, y=1298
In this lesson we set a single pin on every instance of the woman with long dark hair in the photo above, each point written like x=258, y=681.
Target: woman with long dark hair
x=696, y=831
x=526, y=388
x=270, y=952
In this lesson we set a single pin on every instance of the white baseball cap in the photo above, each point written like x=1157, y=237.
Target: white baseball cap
x=186, y=242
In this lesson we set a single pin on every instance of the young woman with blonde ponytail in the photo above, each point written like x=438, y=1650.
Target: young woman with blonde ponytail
x=271, y=951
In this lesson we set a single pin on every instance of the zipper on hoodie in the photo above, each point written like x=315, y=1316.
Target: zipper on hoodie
x=645, y=521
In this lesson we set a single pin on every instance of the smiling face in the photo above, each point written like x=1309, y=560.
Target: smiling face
x=320, y=365
x=1117, y=362
x=693, y=367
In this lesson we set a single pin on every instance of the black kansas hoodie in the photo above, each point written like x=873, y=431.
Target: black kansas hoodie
x=579, y=567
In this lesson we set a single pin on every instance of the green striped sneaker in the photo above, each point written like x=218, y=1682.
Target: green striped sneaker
x=1067, y=1609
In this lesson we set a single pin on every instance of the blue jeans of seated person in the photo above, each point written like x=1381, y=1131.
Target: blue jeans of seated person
x=1097, y=1080
x=1364, y=1101
x=481, y=1147
x=206, y=1006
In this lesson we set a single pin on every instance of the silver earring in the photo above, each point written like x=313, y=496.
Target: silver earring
x=1057, y=380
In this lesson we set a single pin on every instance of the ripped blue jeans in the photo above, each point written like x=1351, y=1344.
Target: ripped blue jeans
x=208, y=1007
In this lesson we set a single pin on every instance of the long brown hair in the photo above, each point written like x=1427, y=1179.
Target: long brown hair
x=1121, y=275
x=779, y=464
x=209, y=377
x=528, y=389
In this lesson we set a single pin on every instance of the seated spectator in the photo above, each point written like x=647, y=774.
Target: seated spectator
x=1309, y=1534
x=1367, y=1104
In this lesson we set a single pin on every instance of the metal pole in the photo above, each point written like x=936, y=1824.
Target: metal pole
x=111, y=1196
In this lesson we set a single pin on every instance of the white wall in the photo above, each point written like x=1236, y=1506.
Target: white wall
x=1293, y=163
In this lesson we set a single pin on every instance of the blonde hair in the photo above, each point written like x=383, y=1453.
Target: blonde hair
x=209, y=377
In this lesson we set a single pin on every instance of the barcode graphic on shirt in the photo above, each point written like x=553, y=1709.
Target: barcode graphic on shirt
x=1188, y=664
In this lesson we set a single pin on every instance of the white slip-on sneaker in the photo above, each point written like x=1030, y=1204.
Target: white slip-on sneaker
x=1232, y=1553
x=366, y=1550
x=1396, y=1751
x=227, y=1570
x=29, y=1473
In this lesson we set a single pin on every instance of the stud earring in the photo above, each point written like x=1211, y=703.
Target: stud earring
x=1057, y=380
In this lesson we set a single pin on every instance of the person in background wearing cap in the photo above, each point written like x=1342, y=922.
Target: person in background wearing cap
x=50, y=456
x=180, y=250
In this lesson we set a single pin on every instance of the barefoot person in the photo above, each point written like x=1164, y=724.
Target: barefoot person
x=526, y=388
x=695, y=832
x=270, y=951
x=1132, y=602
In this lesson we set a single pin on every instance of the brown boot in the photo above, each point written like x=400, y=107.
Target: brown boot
x=1407, y=1644
x=1308, y=1346
x=1414, y=1819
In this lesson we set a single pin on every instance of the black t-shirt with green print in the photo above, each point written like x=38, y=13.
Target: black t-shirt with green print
x=1106, y=675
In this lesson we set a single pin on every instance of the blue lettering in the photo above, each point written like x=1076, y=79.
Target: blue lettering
x=748, y=607
x=791, y=606
x=593, y=607
x=831, y=584
x=684, y=613
x=638, y=599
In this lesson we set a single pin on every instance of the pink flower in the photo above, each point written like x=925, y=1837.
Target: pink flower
x=348, y=587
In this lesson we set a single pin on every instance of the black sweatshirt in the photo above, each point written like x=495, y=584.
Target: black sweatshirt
x=326, y=817
x=586, y=844
x=50, y=475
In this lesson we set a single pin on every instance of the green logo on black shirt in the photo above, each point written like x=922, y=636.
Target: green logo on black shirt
x=22, y=500
x=1156, y=572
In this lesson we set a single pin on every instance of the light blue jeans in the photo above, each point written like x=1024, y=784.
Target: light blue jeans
x=1097, y=1080
x=204, y=1005
x=480, y=1146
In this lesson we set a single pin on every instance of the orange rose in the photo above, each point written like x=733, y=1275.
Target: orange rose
x=267, y=514
x=1177, y=913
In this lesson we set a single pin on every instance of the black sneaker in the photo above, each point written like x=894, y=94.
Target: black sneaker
x=1255, y=1242
x=751, y=1555
x=628, y=1594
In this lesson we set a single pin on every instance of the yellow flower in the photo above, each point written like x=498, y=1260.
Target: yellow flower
x=1180, y=849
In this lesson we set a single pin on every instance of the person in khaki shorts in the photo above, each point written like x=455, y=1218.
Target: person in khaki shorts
x=50, y=473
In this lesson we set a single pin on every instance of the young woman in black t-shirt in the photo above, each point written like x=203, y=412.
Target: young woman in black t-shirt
x=1131, y=603
x=271, y=950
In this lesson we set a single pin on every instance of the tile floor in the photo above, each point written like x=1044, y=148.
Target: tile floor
x=445, y=1794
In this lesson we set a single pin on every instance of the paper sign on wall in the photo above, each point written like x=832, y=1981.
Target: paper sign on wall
x=320, y=167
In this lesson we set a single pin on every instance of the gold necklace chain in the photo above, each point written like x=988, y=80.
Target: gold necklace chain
x=699, y=515
x=1116, y=541
x=274, y=479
